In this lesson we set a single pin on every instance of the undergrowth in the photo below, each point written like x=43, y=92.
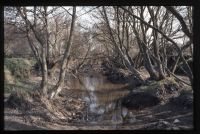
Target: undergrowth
x=17, y=70
x=19, y=67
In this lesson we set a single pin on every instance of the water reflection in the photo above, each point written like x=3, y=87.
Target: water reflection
x=101, y=96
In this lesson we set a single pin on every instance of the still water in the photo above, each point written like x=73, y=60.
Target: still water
x=100, y=95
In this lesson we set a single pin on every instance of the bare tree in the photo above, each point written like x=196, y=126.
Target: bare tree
x=155, y=42
x=119, y=50
x=178, y=49
x=42, y=41
x=65, y=59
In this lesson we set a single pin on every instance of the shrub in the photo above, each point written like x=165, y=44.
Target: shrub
x=19, y=67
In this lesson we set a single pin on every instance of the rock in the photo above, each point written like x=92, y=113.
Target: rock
x=138, y=100
x=185, y=100
x=176, y=121
x=165, y=123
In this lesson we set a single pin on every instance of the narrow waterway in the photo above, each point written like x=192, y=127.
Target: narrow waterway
x=101, y=96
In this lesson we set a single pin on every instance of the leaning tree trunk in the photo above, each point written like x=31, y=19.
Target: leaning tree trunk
x=190, y=74
x=44, y=71
x=120, y=52
x=40, y=38
x=65, y=60
x=47, y=37
x=145, y=55
x=155, y=43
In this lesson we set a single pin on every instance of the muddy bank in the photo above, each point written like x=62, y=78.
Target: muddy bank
x=162, y=117
x=73, y=111
x=103, y=98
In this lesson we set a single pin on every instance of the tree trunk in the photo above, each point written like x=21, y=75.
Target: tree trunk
x=181, y=20
x=44, y=71
x=147, y=61
x=65, y=60
x=43, y=44
x=190, y=75
x=155, y=44
x=132, y=69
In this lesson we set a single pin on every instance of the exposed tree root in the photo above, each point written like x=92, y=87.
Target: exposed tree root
x=60, y=108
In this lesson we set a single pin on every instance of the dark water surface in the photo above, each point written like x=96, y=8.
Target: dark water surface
x=101, y=96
